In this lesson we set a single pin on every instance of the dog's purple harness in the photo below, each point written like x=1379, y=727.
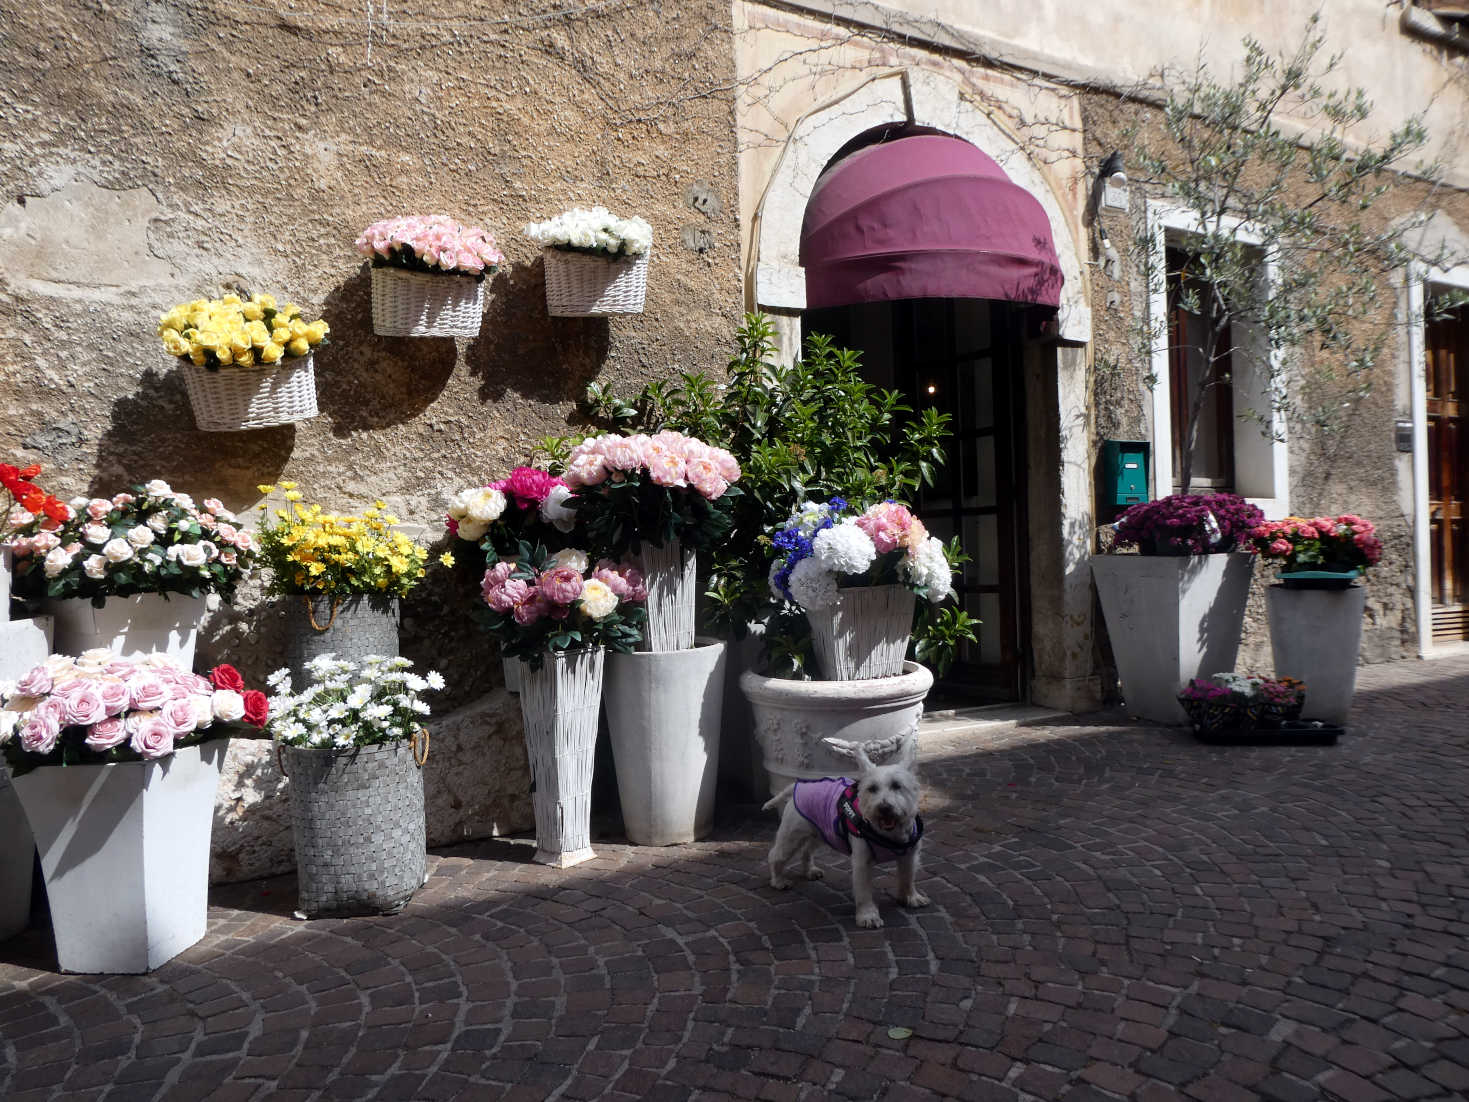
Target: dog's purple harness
x=830, y=805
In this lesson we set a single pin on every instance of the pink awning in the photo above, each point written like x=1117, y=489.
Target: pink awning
x=925, y=217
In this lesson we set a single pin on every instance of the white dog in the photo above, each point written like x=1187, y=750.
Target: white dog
x=874, y=818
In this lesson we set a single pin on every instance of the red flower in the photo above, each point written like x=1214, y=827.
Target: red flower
x=227, y=677
x=257, y=707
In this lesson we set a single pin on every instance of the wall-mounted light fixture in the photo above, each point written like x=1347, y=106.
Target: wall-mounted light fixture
x=1113, y=182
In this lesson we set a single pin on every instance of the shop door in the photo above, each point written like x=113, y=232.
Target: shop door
x=1447, y=362
x=963, y=358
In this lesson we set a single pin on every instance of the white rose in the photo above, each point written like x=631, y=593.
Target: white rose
x=158, y=522
x=484, y=504
x=158, y=488
x=573, y=558
x=191, y=554
x=96, y=533
x=204, y=709
x=117, y=550
x=57, y=560
x=141, y=536
x=95, y=566
x=227, y=705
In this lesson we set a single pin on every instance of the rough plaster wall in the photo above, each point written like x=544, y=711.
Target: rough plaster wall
x=156, y=152
x=1354, y=468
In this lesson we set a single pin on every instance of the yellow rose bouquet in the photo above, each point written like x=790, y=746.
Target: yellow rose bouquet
x=243, y=332
x=310, y=551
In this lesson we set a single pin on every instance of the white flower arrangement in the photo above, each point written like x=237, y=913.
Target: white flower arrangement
x=597, y=231
x=349, y=704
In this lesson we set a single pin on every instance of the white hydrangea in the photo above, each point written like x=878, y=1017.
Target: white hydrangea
x=928, y=569
x=844, y=548
x=775, y=590
x=812, y=585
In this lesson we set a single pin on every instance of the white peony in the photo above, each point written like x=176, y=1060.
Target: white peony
x=227, y=705
x=95, y=566
x=573, y=558
x=555, y=512
x=844, y=548
x=472, y=530
x=812, y=585
x=597, y=599
x=140, y=536
x=483, y=504
x=118, y=550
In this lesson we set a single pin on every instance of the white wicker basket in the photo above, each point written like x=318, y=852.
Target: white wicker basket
x=235, y=398
x=864, y=634
x=579, y=285
x=426, y=304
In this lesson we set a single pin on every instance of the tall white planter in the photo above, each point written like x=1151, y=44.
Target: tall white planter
x=131, y=627
x=865, y=634
x=125, y=853
x=669, y=575
x=7, y=566
x=793, y=717
x=560, y=703
x=1171, y=618
x=24, y=644
x=663, y=713
x=1314, y=636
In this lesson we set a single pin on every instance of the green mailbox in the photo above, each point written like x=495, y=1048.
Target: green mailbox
x=1125, y=470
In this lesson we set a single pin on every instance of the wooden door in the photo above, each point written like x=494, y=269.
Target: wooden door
x=1447, y=368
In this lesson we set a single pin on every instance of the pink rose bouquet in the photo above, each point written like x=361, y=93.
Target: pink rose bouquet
x=561, y=602
x=528, y=505
x=1341, y=544
x=102, y=708
x=630, y=489
x=430, y=243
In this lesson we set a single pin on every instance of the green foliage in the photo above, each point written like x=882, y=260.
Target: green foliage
x=938, y=634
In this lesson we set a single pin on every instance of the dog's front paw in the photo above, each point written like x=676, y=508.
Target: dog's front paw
x=868, y=918
x=915, y=898
x=814, y=873
x=779, y=883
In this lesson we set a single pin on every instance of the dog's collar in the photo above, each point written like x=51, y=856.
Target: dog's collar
x=851, y=821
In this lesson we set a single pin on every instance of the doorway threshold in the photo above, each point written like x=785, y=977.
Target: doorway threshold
x=946, y=721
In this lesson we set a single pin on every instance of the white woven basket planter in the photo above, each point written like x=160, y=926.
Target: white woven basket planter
x=669, y=573
x=426, y=304
x=236, y=398
x=865, y=634
x=560, y=703
x=579, y=285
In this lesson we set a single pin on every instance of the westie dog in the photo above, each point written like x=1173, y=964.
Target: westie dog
x=874, y=818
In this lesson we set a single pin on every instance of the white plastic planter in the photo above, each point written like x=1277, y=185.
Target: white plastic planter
x=560, y=703
x=865, y=634
x=131, y=627
x=1171, y=618
x=125, y=853
x=669, y=574
x=663, y=714
x=23, y=645
x=1314, y=636
x=7, y=565
x=793, y=717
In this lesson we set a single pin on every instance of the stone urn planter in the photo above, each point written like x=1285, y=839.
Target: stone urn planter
x=358, y=820
x=1171, y=618
x=793, y=717
x=663, y=714
x=125, y=855
x=1315, y=634
x=351, y=627
x=130, y=627
x=560, y=704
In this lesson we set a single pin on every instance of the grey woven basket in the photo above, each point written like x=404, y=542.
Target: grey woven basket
x=354, y=628
x=359, y=826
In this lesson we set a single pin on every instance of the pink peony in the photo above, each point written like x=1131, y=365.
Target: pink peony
x=626, y=582
x=151, y=736
x=624, y=453
x=495, y=577
x=107, y=734
x=560, y=585
x=509, y=595
x=528, y=486
x=528, y=612
x=703, y=475
x=586, y=470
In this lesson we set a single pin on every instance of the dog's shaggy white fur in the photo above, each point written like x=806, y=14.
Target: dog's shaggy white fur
x=887, y=796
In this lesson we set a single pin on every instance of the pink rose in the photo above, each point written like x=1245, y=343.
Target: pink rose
x=560, y=585
x=509, y=595
x=98, y=508
x=36, y=682
x=39, y=733
x=107, y=734
x=148, y=691
x=152, y=737
x=179, y=715
x=84, y=704
x=528, y=612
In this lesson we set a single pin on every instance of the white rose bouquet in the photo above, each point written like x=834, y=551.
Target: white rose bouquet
x=149, y=540
x=597, y=231
x=347, y=704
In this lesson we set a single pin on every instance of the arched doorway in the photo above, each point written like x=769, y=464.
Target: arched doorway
x=920, y=253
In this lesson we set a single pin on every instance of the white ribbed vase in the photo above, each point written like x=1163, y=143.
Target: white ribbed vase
x=865, y=634
x=669, y=573
x=560, y=703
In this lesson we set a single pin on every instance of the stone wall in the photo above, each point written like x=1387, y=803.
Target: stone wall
x=158, y=152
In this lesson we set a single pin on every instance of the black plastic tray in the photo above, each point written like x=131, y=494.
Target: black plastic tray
x=1291, y=732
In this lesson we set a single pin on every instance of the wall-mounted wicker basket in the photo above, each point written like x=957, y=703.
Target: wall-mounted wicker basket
x=426, y=304
x=580, y=285
x=230, y=399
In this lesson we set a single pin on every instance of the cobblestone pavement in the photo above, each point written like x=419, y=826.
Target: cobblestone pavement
x=1118, y=912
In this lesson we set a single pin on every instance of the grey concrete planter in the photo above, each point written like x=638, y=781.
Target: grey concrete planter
x=348, y=627
x=358, y=821
x=663, y=714
x=1171, y=618
x=1314, y=636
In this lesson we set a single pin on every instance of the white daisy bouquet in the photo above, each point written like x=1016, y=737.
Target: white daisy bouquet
x=822, y=547
x=346, y=704
x=597, y=231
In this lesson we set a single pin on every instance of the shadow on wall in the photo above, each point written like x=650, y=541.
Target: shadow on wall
x=364, y=381
x=152, y=435
x=522, y=349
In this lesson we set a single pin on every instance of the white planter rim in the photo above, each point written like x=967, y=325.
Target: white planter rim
x=914, y=682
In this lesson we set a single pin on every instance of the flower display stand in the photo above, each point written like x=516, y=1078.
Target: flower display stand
x=426, y=304
x=150, y=623
x=663, y=714
x=125, y=854
x=793, y=717
x=670, y=576
x=865, y=634
x=1315, y=635
x=348, y=627
x=1171, y=618
x=560, y=704
x=580, y=285
x=358, y=820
